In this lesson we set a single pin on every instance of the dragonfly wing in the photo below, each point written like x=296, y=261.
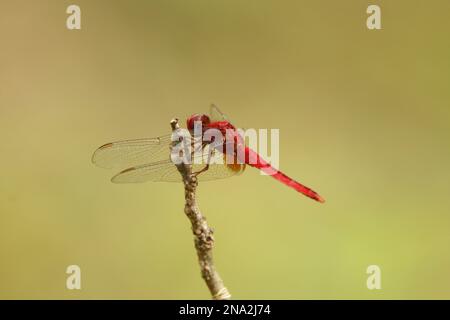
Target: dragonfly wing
x=219, y=171
x=218, y=168
x=166, y=171
x=216, y=115
x=157, y=171
x=127, y=153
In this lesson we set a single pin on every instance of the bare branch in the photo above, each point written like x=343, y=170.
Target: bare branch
x=203, y=234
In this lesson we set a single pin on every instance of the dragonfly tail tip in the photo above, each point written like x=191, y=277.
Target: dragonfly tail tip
x=320, y=199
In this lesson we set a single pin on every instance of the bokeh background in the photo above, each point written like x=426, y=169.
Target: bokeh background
x=364, y=119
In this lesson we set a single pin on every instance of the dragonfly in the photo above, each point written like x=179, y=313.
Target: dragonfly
x=148, y=159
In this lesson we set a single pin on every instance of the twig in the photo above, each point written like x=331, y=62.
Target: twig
x=203, y=234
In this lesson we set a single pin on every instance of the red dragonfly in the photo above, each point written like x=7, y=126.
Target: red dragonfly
x=148, y=159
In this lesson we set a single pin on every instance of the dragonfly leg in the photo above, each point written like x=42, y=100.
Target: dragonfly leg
x=205, y=168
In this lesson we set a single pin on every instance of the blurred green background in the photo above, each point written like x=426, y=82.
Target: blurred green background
x=364, y=119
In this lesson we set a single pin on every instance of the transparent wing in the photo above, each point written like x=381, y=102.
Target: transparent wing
x=216, y=115
x=218, y=168
x=220, y=171
x=166, y=171
x=163, y=170
x=127, y=153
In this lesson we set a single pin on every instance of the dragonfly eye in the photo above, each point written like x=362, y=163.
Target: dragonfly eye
x=203, y=118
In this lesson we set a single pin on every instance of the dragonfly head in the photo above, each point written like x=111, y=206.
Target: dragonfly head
x=203, y=118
